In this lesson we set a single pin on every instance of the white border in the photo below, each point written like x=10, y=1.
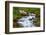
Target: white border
x=11, y=29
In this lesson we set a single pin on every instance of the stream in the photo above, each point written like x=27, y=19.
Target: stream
x=27, y=21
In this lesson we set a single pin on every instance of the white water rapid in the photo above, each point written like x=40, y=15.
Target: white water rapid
x=27, y=21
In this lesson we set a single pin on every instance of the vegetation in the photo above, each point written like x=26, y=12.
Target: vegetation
x=17, y=15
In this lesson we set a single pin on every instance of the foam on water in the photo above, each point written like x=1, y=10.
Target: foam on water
x=27, y=21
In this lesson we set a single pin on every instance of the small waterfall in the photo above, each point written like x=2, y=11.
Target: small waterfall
x=27, y=21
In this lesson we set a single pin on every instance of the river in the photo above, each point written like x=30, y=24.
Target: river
x=27, y=21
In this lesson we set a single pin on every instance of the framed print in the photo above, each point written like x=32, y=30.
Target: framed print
x=24, y=17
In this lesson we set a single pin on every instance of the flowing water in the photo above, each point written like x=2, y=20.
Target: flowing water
x=27, y=21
